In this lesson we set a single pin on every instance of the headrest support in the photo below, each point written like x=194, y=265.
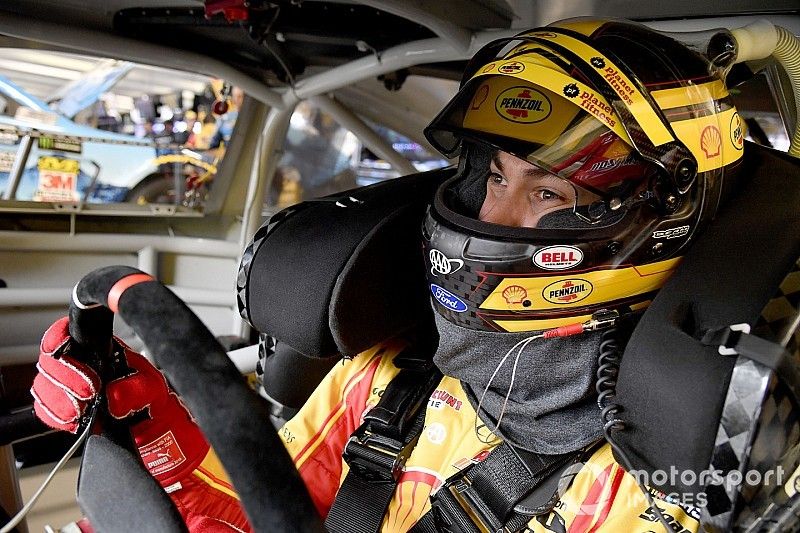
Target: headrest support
x=671, y=386
x=341, y=273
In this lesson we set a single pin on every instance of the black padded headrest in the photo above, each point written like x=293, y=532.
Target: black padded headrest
x=672, y=387
x=342, y=273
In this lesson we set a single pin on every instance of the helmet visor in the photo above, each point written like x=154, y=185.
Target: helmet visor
x=549, y=131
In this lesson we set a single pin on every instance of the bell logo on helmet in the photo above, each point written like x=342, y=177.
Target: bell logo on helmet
x=737, y=137
x=567, y=291
x=511, y=68
x=523, y=104
x=558, y=257
x=448, y=299
x=488, y=67
x=441, y=264
x=710, y=141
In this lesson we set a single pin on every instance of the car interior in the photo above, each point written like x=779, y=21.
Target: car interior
x=264, y=160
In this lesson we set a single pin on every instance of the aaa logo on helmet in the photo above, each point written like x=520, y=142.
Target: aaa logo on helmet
x=441, y=264
x=567, y=291
x=524, y=105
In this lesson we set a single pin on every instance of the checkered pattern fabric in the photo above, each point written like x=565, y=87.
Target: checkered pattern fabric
x=247, y=258
x=778, y=321
x=760, y=424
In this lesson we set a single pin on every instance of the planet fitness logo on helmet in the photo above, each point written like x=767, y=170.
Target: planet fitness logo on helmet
x=448, y=299
x=523, y=105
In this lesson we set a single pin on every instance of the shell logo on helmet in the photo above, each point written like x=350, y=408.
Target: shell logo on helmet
x=567, y=291
x=523, y=104
x=514, y=294
x=710, y=141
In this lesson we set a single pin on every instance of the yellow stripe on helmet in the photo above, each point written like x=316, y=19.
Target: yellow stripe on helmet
x=566, y=87
x=690, y=95
x=629, y=94
x=715, y=140
x=578, y=289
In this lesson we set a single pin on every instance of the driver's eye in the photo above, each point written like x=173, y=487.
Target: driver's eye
x=547, y=194
x=496, y=179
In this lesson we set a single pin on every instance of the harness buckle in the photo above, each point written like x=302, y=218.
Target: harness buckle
x=375, y=457
x=457, y=500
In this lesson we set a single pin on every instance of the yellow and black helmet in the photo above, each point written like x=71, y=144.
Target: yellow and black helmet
x=638, y=124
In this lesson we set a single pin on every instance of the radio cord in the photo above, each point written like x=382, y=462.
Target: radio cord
x=28, y=506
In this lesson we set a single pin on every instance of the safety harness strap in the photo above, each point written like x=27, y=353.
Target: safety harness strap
x=377, y=451
x=501, y=493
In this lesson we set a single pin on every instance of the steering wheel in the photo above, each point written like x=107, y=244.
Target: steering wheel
x=234, y=419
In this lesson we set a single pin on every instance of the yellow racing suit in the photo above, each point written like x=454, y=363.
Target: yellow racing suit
x=602, y=497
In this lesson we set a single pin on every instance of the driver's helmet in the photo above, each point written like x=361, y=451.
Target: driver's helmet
x=633, y=130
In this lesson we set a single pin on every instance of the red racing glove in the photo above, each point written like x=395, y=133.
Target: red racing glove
x=171, y=445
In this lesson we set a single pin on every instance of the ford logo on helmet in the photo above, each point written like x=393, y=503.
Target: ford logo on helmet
x=448, y=299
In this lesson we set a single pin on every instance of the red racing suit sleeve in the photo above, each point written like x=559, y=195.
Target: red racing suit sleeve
x=316, y=436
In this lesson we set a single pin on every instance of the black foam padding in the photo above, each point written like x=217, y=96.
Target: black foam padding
x=671, y=387
x=233, y=418
x=117, y=494
x=289, y=377
x=330, y=280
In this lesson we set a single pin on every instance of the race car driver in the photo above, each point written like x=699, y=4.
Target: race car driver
x=591, y=153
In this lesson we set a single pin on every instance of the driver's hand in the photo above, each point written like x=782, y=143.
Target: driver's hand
x=168, y=439
x=171, y=445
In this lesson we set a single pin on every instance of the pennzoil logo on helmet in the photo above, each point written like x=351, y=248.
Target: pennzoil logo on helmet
x=511, y=68
x=567, y=291
x=522, y=104
x=737, y=136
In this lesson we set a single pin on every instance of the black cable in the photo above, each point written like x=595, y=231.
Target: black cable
x=608, y=368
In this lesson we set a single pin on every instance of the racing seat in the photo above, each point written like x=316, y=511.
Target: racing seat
x=330, y=278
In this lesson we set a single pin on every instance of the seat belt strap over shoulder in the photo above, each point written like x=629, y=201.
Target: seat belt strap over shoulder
x=500, y=494
x=377, y=451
